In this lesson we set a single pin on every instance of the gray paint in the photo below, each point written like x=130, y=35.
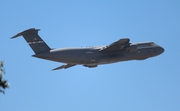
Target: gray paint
x=121, y=50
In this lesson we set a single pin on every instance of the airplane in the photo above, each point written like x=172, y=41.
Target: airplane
x=121, y=50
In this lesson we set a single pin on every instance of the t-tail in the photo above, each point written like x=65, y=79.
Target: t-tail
x=34, y=40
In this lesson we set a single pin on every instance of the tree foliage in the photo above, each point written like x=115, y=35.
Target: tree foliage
x=3, y=83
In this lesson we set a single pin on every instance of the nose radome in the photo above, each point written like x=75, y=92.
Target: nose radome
x=160, y=50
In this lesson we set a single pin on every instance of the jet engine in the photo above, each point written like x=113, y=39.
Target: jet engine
x=91, y=65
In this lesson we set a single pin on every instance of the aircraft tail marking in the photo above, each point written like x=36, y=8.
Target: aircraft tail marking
x=34, y=40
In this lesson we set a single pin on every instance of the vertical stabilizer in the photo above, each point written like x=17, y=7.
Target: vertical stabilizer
x=34, y=40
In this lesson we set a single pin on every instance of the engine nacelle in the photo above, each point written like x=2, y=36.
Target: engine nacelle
x=91, y=65
x=131, y=48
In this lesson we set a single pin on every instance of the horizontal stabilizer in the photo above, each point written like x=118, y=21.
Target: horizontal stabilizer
x=34, y=40
x=31, y=30
x=64, y=66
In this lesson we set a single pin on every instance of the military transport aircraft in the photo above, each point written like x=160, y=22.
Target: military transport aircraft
x=121, y=50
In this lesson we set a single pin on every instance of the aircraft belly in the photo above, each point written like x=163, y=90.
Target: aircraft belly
x=82, y=57
x=110, y=58
x=92, y=57
x=71, y=58
x=75, y=57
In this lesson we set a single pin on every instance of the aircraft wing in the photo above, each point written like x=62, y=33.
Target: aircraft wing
x=120, y=44
x=64, y=66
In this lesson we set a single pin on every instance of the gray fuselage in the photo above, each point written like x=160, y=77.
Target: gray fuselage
x=92, y=56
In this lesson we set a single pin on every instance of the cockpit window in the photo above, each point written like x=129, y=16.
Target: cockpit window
x=142, y=45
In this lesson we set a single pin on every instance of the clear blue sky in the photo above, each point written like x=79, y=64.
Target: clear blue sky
x=149, y=85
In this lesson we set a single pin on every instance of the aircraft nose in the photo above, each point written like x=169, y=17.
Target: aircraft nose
x=160, y=50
